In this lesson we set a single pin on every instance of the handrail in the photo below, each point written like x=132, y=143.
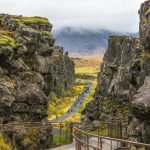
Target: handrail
x=112, y=139
x=83, y=142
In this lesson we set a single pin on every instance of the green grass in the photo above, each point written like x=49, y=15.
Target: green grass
x=67, y=101
x=61, y=140
x=101, y=133
x=87, y=70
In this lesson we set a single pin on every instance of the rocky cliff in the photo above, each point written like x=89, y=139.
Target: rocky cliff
x=31, y=67
x=123, y=90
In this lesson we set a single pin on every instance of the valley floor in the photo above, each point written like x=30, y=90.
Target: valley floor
x=76, y=104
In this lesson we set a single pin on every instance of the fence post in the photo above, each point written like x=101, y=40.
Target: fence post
x=66, y=127
x=126, y=146
x=32, y=138
x=13, y=139
x=60, y=132
x=49, y=137
x=71, y=130
x=111, y=143
x=120, y=130
x=101, y=146
x=108, y=129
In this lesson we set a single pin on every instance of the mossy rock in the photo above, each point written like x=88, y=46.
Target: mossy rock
x=46, y=33
x=32, y=20
x=148, y=11
x=7, y=40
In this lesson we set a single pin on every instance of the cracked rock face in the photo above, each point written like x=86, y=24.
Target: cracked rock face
x=141, y=101
x=123, y=90
x=31, y=67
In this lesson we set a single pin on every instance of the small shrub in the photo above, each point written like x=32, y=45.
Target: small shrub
x=3, y=145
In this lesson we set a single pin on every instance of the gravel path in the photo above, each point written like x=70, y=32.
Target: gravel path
x=92, y=141
x=76, y=104
x=65, y=147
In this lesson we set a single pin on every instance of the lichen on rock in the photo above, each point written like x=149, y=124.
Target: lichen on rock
x=123, y=90
x=31, y=67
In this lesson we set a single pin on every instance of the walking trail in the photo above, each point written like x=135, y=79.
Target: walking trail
x=76, y=104
x=72, y=110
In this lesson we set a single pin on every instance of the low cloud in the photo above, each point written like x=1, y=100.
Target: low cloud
x=116, y=15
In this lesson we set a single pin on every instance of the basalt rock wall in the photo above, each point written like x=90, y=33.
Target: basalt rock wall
x=31, y=67
x=123, y=90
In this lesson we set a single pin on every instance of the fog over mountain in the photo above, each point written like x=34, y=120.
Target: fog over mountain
x=81, y=41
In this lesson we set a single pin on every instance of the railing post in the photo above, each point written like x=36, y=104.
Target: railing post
x=120, y=130
x=76, y=145
x=126, y=146
x=60, y=132
x=71, y=130
x=108, y=129
x=87, y=139
x=32, y=138
x=66, y=126
x=49, y=138
x=111, y=143
x=13, y=139
x=117, y=130
x=101, y=146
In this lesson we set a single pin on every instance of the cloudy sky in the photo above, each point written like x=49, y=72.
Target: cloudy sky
x=117, y=15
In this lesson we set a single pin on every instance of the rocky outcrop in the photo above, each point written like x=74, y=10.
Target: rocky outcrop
x=31, y=67
x=123, y=90
x=139, y=126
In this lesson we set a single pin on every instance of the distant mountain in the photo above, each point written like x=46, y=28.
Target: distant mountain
x=84, y=41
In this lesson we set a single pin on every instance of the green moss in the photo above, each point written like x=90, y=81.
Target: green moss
x=148, y=11
x=27, y=141
x=144, y=56
x=45, y=33
x=107, y=72
x=7, y=40
x=32, y=20
x=142, y=60
x=28, y=61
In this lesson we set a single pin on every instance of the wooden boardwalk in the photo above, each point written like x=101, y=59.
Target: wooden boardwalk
x=92, y=141
x=65, y=147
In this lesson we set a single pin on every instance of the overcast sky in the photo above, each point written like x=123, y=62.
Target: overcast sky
x=117, y=15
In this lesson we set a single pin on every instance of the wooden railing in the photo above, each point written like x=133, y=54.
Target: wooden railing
x=89, y=141
x=57, y=134
x=105, y=136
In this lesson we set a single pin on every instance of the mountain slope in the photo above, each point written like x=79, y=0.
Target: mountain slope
x=84, y=41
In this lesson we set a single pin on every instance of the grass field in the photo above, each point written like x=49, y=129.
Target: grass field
x=68, y=100
x=77, y=116
x=87, y=70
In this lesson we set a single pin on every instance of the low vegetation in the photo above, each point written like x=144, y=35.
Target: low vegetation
x=82, y=62
x=83, y=76
x=62, y=104
x=87, y=70
x=3, y=144
x=32, y=20
x=77, y=116
x=7, y=40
